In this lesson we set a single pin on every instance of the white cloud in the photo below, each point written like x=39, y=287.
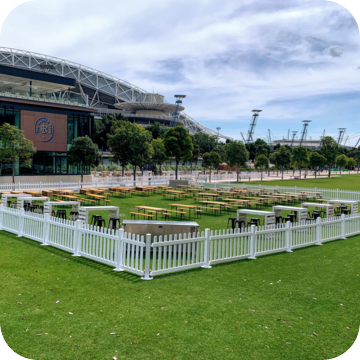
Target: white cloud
x=228, y=57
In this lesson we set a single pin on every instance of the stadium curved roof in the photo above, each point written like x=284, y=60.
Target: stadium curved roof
x=102, y=89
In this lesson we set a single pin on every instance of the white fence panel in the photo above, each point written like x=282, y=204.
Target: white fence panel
x=132, y=253
x=33, y=226
x=331, y=229
x=352, y=224
x=227, y=245
x=303, y=234
x=10, y=219
x=270, y=239
x=61, y=234
x=98, y=244
x=178, y=252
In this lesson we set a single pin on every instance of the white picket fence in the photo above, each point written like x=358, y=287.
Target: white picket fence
x=324, y=193
x=151, y=255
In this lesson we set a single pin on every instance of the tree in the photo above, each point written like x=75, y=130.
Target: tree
x=84, y=153
x=206, y=142
x=329, y=149
x=159, y=155
x=261, y=162
x=250, y=147
x=157, y=130
x=103, y=127
x=316, y=161
x=195, y=152
x=341, y=161
x=357, y=159
x=178, y=144
x=211, y=161
x=130, y=144
x=300, y=157
x=237, y=155
x=281, y=158
x=14, y=147
x=351, y=163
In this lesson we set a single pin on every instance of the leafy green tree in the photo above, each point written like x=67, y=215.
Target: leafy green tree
x=130, y=144
x=316, y=161
x=281, y=158
x=357, y=159
x=159, y=156
x=237, y=155
x=341, y=161
x=329, y=149
x=261, y=162
x=211, y=161
x=157, y=130
x=251, y=148
x=84, y=153
x=351, y=163
x=14, y=147
x=300, y=157
x=178, y=144
x=195, y=152
x=102, y=129
x=206, y=142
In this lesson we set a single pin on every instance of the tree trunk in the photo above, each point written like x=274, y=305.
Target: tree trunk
x=210, y=176
x=176, y=169
x=13, y=172
x=160, y=169
x=329, y=170
x=315, y=173
x=134, y=173
x=82, y=178
x=282, y=174
x=340, y=169
x=191, y=168
x=123, y=170
x=237, y=174
x=300, y=171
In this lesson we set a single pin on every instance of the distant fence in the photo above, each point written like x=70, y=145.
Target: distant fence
x=148, y=256
x=334, y=194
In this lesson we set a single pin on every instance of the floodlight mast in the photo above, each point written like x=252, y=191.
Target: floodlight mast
x=293, y=138
x=176, y=113
x=252, y=126
x=341, y=135
x=304, y=131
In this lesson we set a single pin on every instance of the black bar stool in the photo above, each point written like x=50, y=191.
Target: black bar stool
x=74, y=215
x=94, y=218
x=32, y=207
x=345, y=211
x=232, y=220
x=114, y=223
x=278, y=219
x=316, y=214
x=293, y=217
x=61, y=214
x=286, y=219
x=251, y=223
x=100, y=223
x=256, y=221
x=26, y=206
x=240, y=224
x=310, y=220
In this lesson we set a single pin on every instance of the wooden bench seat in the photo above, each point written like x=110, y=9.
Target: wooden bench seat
x=140, y=214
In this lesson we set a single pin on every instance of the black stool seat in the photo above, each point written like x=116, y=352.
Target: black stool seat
x=278, y=219
x=114, y=223
x=94, y=218
x=287, y=218
x=61, y=214
x=9, y=202
x=232, y=220
x=240, y=224
x=26, y=207
x=251, y=223
x=32, y=207
x=345, y=211
x=255, y=220
x=293, y=217
x=100, y=223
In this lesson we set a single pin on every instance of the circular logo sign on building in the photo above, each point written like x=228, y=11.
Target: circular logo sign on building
x=44, y=129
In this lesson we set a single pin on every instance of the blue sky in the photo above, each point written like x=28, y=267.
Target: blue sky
x=294, y=59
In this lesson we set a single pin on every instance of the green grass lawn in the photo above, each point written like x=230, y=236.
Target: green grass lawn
x=237, y=310
x=344, y=182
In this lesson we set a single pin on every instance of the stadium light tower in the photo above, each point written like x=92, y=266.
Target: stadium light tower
x=176, y=113
x=218, y=130
x=252, y=126
x=304, y=131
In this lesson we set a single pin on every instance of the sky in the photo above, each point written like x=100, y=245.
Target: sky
x=293, y=59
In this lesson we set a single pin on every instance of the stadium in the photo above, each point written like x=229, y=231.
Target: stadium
x=55, y=101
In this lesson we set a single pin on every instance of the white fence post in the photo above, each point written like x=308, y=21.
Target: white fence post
x=318, y=231
x=252, y=242
x=288, y=236
x=46, y=229
x=206, y=249
x=147, y=258
x=21, y=222
x=343, y=226
x=1, y=215
x=119, y=251
x=77, y=237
